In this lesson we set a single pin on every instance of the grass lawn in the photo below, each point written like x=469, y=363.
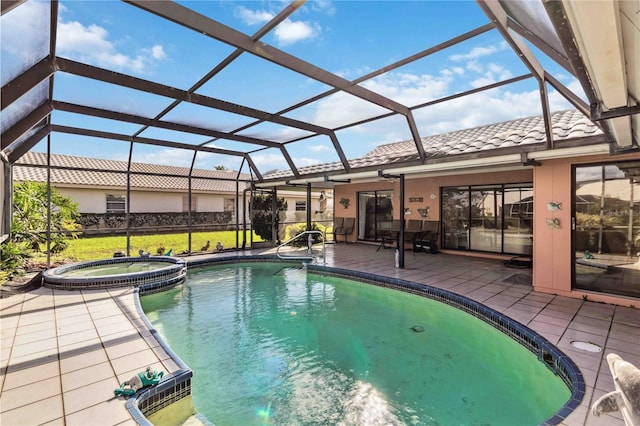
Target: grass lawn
x=93, y=248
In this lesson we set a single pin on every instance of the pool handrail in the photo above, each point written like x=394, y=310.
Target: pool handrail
x=309, y=255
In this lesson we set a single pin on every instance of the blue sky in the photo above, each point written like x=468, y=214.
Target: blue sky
x=347, y=38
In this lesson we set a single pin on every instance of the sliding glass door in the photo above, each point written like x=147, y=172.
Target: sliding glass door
x=374, y=207
x=606, y=228
x=488, y=218
x=455, y=217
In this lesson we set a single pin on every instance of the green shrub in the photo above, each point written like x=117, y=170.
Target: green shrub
x=262, y=219
x=34, y=211
x=13, y=257
x=293, y=230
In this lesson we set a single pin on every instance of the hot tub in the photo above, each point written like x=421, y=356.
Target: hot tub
x=150, y=274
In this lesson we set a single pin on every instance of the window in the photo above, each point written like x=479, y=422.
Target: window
x=116, y=203
x=185, y=203
x=230, y=205
x=301, y=206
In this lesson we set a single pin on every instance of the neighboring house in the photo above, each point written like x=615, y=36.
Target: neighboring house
x=100, y=189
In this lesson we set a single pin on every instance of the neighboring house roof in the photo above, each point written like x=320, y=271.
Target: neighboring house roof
x=526, y=131
x=90, y=172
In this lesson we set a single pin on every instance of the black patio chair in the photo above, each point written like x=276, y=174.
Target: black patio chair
x=427, y=241
x=345, y=230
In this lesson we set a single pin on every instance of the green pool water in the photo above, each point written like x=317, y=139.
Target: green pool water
x=279, y=345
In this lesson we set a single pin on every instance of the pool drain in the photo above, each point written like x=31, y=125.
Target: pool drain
x=586, y=346
x=417, y=328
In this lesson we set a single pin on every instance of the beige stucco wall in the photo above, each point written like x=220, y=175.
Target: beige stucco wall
x=171, y=202
x=93, y=200
x=89, y=200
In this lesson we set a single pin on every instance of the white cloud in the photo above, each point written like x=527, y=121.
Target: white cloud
x=166, y=157
x=323, y=6
x=475, y=66
x=157, y=51
x=289, y=32
x=265, y=162
x=479, y=52
x=407, y=89
x=253, y=17
x=320, y=148
x=493, y=74
x=91, y=44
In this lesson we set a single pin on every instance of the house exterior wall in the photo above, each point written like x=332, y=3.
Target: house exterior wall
x=90, y=200
x=93, y=200
x=426, y=187
x=429, y=189
x=552, y=181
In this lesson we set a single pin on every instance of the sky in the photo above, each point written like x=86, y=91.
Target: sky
x=347, y=38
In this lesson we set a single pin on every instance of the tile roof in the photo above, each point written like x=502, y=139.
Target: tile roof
x=163, y=178
x=526, y=131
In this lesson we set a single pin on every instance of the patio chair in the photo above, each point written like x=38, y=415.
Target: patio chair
x=345, y=230
x=412, y=230
x=388, y=233
x=427, y=241
x=337, y=224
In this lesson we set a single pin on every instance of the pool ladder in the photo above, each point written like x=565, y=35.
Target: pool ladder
x=309, y=257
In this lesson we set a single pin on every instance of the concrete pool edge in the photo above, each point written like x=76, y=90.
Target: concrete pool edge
x=546, y=352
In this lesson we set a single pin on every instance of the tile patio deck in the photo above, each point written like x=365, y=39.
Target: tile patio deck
x=63, y=353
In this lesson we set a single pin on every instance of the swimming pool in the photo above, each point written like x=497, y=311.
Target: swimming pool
x=276, y=343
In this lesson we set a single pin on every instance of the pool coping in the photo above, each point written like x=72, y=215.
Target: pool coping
x=546, y=352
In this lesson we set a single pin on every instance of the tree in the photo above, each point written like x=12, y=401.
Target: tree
x=30, y=216
x=262, y=219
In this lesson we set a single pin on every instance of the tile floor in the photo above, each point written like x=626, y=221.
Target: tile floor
x=63, y=353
